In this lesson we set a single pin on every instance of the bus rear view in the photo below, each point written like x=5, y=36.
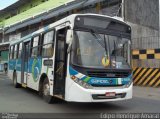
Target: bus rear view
x=99, y=63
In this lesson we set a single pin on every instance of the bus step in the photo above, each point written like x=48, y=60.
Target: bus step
x=59, y=96
x=24, y=85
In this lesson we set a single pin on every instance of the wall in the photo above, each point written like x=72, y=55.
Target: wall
x=143, y=15
x=1, y=36
x=144, y=37
x=109, y=7
x=143, y=12
x=4, y=55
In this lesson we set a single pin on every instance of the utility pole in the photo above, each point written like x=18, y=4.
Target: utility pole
x=123, y=9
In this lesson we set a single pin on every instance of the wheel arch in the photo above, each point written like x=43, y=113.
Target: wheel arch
x=41, y=80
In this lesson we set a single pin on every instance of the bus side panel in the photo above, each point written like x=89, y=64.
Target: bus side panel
x=18, y=77
x=11, y=67
x=10, y=74
x=69, y=82
x=34, y=72
x=48, y=70
x=18, y=70
x=31, y=83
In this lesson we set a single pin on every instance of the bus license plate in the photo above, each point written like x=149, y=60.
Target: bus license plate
x=110, y=94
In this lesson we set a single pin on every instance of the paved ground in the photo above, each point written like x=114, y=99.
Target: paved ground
x=27, y=101
x=147, y=92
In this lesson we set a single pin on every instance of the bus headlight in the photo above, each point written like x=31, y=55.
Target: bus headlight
x=127, y=85
x=81, y=82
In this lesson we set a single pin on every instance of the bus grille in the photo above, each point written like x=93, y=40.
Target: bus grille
x=109, y=86
x=103, y=96
x=109, y=74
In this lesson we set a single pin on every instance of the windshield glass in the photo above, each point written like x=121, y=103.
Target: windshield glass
x=94, y=50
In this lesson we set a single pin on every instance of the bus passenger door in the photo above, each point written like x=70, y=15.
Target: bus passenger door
x=60, y=63
x=25, y=58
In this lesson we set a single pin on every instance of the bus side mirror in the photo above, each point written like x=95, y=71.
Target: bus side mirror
x=69, y=36
x=69, y=48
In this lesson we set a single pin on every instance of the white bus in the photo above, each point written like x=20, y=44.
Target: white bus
x=81, y=58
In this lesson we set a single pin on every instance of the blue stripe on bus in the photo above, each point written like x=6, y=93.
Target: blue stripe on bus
x=34, y=66
x=12, y=64
x=101, y=81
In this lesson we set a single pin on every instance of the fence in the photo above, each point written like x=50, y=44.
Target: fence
x=150, y=42
x=146, y=61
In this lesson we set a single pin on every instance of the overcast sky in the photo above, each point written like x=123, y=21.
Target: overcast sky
x=6, y=3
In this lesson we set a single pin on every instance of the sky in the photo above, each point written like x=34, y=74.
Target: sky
x=6, y=3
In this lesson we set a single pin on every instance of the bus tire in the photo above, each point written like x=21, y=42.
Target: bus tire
x=46, y=91
x=16, y=85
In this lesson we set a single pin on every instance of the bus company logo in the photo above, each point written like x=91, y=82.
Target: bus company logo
x=35, y=70
x=96, y=81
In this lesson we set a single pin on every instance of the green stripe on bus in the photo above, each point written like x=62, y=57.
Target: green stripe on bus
x=87, y=79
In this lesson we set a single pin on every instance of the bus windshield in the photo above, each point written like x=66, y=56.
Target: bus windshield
x=95, y=50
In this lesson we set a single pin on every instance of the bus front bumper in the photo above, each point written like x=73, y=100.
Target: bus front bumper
x=77, y=93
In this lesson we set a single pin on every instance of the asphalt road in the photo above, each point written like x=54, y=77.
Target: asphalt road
x=22, y=100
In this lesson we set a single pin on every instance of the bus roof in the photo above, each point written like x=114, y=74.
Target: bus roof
x=69, y=18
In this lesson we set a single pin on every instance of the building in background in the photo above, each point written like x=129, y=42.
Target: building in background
x=26, y=16
x=143, y=15
x=3, y=55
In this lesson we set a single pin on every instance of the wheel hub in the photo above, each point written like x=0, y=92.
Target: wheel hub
x=46, y=89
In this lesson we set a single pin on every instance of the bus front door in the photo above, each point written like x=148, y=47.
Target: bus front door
x=60, y=63
x=25, y=63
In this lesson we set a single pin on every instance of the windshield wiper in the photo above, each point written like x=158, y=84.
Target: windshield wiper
x=115, y=52
x=99, y=39
x=105, y=44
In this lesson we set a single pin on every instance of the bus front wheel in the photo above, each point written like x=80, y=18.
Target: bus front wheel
x=46, y=92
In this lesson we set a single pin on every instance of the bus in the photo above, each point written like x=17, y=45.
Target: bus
x=80, y=58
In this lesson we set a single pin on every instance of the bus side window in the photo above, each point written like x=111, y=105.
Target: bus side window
x=47, y=47
x=15, y=51
x=20, y=50
x=12, y=51
x=34, y=47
